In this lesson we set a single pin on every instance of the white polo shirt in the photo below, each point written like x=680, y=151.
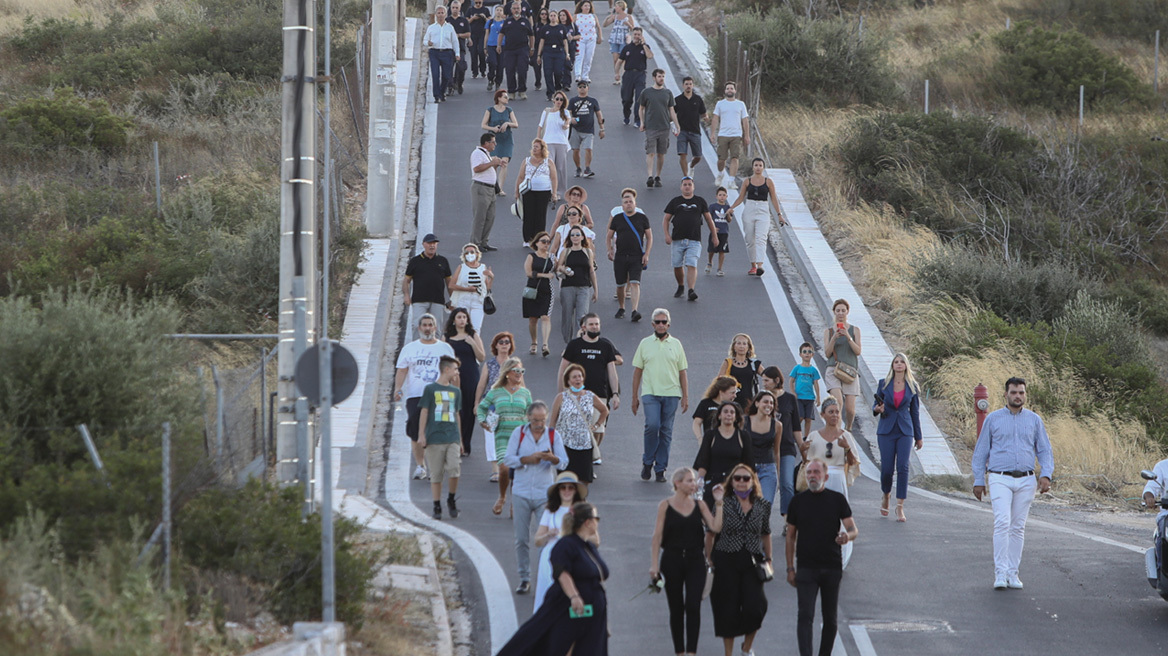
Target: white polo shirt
x=478, y=157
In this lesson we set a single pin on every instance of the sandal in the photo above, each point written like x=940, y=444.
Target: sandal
x=494, y=479
x=545, y=350
x=900, y=513
x=498, y=507
x=884, y=506
x=534, y=348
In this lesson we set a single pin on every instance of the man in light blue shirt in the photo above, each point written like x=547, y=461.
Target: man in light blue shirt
x=534, y=454
x=1011, y=440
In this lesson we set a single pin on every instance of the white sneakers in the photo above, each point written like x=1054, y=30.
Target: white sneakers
x=1001, y=582
x=420, y=473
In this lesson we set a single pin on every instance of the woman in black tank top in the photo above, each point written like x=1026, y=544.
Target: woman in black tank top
x=756, y=192
x=679, y=533
x=765, y=435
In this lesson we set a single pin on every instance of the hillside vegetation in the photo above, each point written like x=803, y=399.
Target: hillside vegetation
x=93, y=277
x=995, y=234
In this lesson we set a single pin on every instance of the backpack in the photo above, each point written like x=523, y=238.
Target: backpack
x=551, y=437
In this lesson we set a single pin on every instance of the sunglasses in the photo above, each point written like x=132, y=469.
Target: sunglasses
x=828, y=450
x=596, y=517
x=741, y=478
x=661, y=321
x=523, y=371
x=806, y=351
x=504, y=341
x=544, y=241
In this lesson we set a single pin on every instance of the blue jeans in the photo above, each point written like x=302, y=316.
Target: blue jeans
x=659, y=412
x=441, y=70
x=786, y=482
x=894, y=451
x=768, y=478
x=494, y=66
x=553, y=71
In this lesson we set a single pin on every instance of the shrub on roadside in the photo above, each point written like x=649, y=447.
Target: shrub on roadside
x=813, y=61
x=1134, y=19
x=1144, y=299
x=1045, y=68
x=257, y=532
x=64, y=120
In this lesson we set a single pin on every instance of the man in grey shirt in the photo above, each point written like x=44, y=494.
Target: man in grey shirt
x=658, y=119
x=1011, y=440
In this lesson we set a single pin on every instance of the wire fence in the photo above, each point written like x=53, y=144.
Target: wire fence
x=735, y=62
x=238, y=418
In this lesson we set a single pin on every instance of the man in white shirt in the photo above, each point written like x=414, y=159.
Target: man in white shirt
x=731, y=127
x=442, y=41
x=418, y=366
x=484, y=187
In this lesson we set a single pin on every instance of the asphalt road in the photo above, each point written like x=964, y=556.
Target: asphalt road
x=917, y=588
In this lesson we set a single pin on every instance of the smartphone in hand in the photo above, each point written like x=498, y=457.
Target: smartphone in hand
x=572, y=614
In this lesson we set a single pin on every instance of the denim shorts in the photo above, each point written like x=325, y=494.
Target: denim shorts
x=686, y=252
x=689, y=143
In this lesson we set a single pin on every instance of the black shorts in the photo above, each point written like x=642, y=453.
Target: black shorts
x=413, y=415
x=723, y=243
x=627, y=269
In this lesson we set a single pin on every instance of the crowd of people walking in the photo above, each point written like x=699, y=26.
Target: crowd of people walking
x=765, y=440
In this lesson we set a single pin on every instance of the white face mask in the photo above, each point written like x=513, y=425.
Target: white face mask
x=471, y=257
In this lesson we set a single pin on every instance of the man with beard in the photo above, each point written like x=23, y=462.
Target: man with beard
x=686, y=213
x=730, y=127
x=417, y=367
x=599, y=358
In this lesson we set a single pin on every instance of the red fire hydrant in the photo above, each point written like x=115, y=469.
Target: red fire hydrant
x=981, y=404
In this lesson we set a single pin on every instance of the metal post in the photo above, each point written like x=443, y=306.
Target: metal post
x=303, y=448
x=326, y=357
x=298, y=254
x=1007, y=22
x=157, y=180
x=220, y=423
x=861, y=34
x=926, y=96
x=92, y=448
x=1081, y=88
x=382, y=163
x=166, y=505
x=263, y=400
x=1156, y=65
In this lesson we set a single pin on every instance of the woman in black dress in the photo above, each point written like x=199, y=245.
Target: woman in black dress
x=468, y=348
x=737, y=597
x=743, y=367
x=563, y=623
x=722, y=448
x=679, y=532
x=722, y=389
x=540, y=268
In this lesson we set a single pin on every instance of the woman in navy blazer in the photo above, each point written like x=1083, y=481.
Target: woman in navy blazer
x=898, y=402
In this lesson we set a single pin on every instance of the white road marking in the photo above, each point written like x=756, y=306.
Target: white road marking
x=501, y=612
x=863, y=642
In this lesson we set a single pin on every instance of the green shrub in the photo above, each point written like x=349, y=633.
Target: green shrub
x=1144, y=299
x=923, y=164
x=64, y=120
x=813, y=61
x=1016, y=290
x=1045, y=68
x=257, y=532
x=1135, y=19
x=1100, y=322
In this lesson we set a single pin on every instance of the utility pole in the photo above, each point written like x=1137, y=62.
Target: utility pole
x=298, y=252
x=382, y=163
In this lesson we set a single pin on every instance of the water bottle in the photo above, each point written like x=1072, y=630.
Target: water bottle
x=701, y=493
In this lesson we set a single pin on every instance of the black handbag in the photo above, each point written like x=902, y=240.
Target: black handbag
x=764, y=569
x=489, y=304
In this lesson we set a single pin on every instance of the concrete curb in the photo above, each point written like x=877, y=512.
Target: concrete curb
x=691, y=48
x=808, y=248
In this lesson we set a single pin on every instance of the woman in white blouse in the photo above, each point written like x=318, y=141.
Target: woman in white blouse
x=554, y=126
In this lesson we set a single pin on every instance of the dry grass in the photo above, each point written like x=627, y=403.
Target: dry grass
x=1095, y=453
x=13, y=12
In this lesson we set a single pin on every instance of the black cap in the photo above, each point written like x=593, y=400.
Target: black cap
x=429, y=238
x=582, y=83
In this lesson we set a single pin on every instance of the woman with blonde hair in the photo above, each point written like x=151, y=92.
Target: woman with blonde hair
x=622, y=26
x=898, y=404
x=510, y=400
x=540, y=173
x=742, y=366
x=470, y=284
x=578, y=287
x=554, y=125
x=502, y=348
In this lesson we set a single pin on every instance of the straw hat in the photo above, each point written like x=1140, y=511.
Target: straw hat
x=568, y=477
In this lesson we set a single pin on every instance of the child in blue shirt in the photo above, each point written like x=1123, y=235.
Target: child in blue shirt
x=805, y=384
x=722, y=215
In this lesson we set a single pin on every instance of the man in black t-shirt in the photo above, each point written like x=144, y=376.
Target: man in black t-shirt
x=636, y=56
x=462, y=30
x=813, y=533
x=425, y=283
x=691, y=112
x=686, y=212
x=599, y=357
x=629, y=241
x=586, y=110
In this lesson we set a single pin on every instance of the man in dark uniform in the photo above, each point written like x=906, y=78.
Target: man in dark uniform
x=516, y=42
x=478, y=15
x=636, y=56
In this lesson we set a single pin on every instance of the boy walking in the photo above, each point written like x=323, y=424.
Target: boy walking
x=805, y=384
x=440, y=433
x=723, y=215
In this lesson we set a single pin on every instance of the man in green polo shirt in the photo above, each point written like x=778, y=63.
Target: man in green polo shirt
x=440, y=434
x=659, y=364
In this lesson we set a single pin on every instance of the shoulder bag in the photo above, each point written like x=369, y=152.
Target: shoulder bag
x=763, y=569
x=846, y=373
x=489, y=304
x=530, y=292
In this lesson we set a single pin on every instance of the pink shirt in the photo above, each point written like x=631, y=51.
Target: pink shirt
x=897, y=398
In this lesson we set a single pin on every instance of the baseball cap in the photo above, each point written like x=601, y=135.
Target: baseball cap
x=429, y=238
x=582, y=83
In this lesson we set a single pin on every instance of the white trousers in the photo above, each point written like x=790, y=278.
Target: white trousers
x=756, y=221
x=558, y=153
x=1011, y=499
x=584, y=51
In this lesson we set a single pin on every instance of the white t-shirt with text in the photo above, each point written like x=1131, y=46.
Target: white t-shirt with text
x=422, y=362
